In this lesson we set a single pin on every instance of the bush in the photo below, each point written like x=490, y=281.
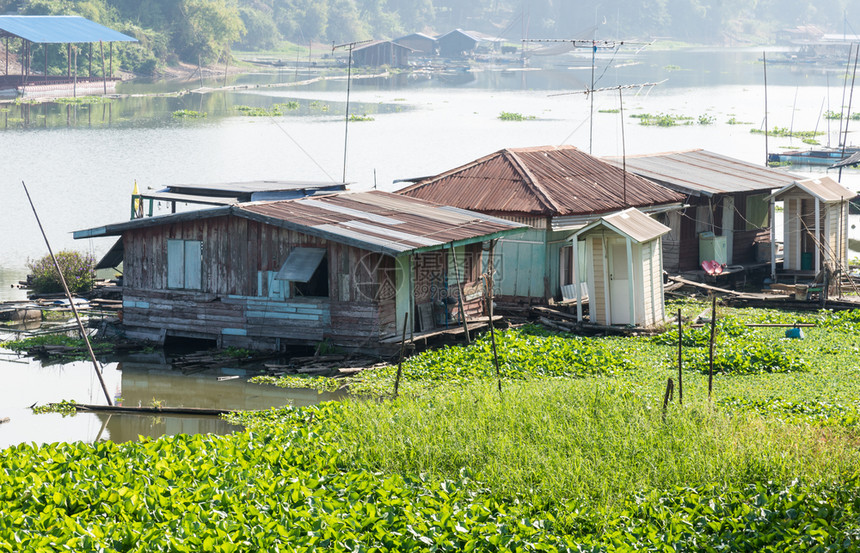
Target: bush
x=78, y=270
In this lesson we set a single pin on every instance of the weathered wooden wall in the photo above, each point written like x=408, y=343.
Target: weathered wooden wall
x=239, y=303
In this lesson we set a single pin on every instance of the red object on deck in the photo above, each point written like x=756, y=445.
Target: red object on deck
x=712, y=267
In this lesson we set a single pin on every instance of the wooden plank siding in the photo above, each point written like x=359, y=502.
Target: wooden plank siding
x=242, y=304
x=234, y=307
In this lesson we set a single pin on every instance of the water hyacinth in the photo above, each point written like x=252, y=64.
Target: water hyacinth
x=77, y=268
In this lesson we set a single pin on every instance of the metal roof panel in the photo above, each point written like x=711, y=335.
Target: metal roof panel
x=700, y=172
x=544, y=180
x=53, y=29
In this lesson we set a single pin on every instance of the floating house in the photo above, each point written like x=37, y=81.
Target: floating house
x=815, y=228
x=347, y=268
x=382, y=52
x=419, y=43
x=172, y=195
x=727, y=214
x=553, y=189
x=457, y=44
x=47, y=30
x=624, y=269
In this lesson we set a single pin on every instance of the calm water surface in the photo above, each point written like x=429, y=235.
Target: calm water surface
x=80, y=164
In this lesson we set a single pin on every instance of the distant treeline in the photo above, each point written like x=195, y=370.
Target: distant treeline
x=207, y=30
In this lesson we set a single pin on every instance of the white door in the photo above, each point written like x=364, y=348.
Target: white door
x=619, y=282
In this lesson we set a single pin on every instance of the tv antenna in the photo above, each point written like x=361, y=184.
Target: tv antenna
x=594, y=45
x=349, y=46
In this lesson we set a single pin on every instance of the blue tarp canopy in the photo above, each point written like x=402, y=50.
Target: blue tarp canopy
x=58, y=29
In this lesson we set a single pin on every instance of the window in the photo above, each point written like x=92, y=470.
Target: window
x=307, y=269
x=184, y=264
x=758, y=211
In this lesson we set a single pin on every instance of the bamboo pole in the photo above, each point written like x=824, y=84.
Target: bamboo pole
x=680, y=359
x=71, y=300
x=460, y=293
x=400, y=362
x=711, y=350
x=489, y=286
x=667, y=397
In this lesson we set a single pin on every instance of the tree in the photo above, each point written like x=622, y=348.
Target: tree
x=207, y=29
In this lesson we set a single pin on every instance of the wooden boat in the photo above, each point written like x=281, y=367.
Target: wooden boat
x=813, y=156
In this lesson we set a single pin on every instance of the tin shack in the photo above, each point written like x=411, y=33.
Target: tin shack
x=346, y=268
x=553, y=189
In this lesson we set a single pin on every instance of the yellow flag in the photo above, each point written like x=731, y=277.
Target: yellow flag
x=135, y=195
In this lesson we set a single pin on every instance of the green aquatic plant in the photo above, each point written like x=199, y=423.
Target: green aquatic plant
x=513, y=116
x=188, y=114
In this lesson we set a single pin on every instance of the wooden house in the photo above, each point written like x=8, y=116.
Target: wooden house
x=419, y=43
x=456, y=44
x=726, y=218
x=553, y=189
x=624, y=269
x=815, y=226
x=346, y=268
x=383, y=52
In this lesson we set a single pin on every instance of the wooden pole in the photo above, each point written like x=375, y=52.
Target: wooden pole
x=764, y=65
x=104, y=73
x=68, y=60
x=711, y=351
x=110, y=54
x=45, y=51
x=90, y=69
x=489, y=285
x=667, y=397
x=71, y=299
x=460, y=294
x=400, y=362
x=680, y=359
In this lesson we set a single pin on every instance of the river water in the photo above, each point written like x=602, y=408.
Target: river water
x=80, y=163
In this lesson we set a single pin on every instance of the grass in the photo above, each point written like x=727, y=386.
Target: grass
x=592, y=442
x=576, y=454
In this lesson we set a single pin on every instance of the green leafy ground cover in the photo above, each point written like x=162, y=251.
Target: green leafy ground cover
x=575, y=455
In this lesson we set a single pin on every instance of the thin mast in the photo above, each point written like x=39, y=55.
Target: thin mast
x=71, y=300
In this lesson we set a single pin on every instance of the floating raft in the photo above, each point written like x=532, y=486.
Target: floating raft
x=192, y=411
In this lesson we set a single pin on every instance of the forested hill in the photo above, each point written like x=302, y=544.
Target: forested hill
x=208, y=29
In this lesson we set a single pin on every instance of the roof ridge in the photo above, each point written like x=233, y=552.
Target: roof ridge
x=430, y=180
x=543, y=195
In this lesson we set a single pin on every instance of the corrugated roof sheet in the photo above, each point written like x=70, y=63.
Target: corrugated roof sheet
x=375, y=221
x=53, y=29
x=543, y=180
x=630, y=222
x=700, y=172
x=825, y=188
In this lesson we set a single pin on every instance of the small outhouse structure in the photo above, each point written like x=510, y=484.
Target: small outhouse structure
x=624, y=260
x=815, y=227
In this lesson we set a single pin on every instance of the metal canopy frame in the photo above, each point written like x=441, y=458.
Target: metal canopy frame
x=63, y=29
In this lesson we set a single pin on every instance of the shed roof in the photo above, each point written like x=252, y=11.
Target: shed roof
x=542, y=180
x=236, y=192
x=825, y=189
x=54, y=29
x=421, y=36
x=631, y=223
x=703, y=173
x=375, y=221
x=378, y=44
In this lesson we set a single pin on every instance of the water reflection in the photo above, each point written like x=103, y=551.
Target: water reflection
x=139, y=380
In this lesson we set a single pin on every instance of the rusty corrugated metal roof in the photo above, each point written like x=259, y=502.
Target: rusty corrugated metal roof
x=825, y=188
x=543, y=180
x=704, y=173
x=630, y=222
x=375, y=221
